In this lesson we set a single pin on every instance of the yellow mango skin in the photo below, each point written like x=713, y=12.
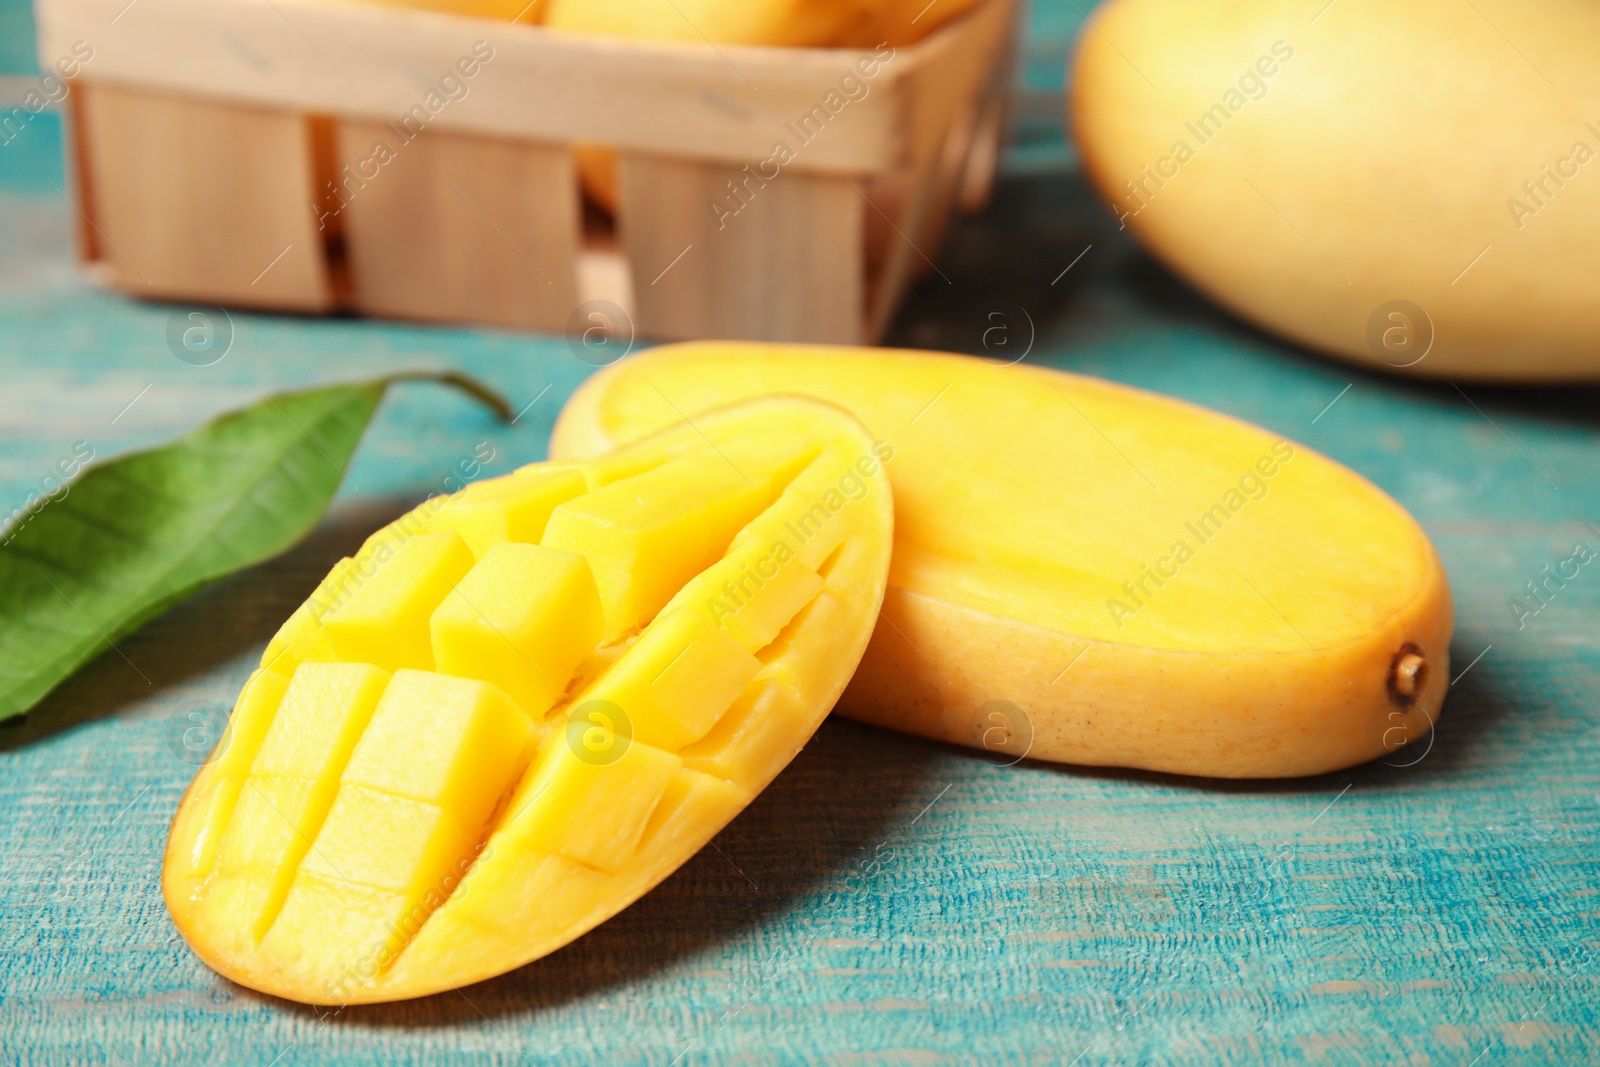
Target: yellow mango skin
x=787, y=23
x=528, y=11
x=1026, y=497
x=1398, y=165
x=368, y=837
x=903, y=22
x=793, y=23
x=782, y=23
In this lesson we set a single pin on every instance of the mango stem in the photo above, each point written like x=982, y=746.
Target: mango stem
x=1408, y=674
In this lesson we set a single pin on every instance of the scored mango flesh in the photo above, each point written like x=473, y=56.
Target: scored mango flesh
x=520, y=707
x=1090, y=573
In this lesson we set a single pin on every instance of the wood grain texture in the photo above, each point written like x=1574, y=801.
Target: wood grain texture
x=170, y=178
x=378, y=62
x=200, y=201
x=458, y=227
x=781, y=261
x=888, y=900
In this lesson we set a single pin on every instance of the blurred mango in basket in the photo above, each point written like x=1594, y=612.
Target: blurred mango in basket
x=781, y=23
x=784, y=23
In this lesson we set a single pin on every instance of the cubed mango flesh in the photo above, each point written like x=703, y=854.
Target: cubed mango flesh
x=503, y=720
x=216, y=787
x=645, y=536
x=448, y=741
x=325, y=708
x=384, y=618
x=590, y=810
x=1148, y=584
x=387, y=842
x=523, y=618
x=506, y=509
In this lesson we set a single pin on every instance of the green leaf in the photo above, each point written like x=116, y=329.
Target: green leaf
x=136, y=535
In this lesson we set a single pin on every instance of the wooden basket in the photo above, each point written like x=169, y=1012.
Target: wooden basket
x=228, y=151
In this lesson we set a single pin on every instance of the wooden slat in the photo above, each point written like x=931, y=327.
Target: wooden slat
x=950, y=71
x=77, y=166
x=928, y=227
x=912, y=204
x=200, y=201
x=904, y=258
x=459, y=227
x=727, y=103
x=786, y=267
x=983, y=154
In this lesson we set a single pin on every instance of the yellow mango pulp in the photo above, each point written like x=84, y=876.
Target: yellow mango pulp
x=520, y=707
x=1088, y=573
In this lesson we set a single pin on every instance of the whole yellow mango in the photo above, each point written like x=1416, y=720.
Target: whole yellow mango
x=528, y=11
x=520, y=707
x=792, y=23
x=1089, y=573
x=783, y=23
x=1410, y=186
x=903, y=22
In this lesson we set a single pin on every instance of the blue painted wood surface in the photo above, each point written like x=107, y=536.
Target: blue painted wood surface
x=888, y=899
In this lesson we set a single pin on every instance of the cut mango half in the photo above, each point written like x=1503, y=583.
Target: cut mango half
x=1094, y=574
x=520, y=707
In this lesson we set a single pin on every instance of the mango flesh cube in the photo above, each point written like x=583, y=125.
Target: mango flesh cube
x=250, y=720
x=689, y=800
x=602, y=470
x=218, y=784
x=335, y=935
x=324, y=709
x=811, y=518
x=646, y=535
x=752, y=592
x=1229, y=602
x=753, y=734
x=275, y=818
x=590, y=812
x=523, y=618
x=449, y=741
x=385, y=620
x=778, y=459
x=757, y=732
x=293, y=778
x=489, y=513
x=227, y=917
x=510, y=897
x=397, y=829
x=273, y=826
x=388, y=842
x=815, y=633
x=676, y=680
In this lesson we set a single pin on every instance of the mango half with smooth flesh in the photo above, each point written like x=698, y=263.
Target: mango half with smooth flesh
x=520, y=707
x=1090, y=573
x=1289, y=162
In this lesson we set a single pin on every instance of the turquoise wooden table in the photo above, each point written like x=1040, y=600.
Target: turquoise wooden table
x=888, y=900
